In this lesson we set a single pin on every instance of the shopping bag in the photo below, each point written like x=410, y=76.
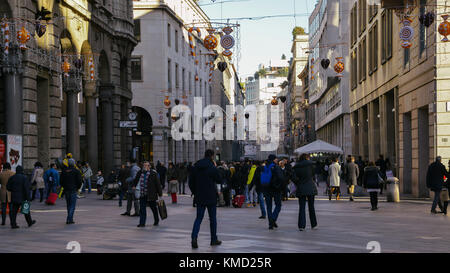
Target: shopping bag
x=162, y=209
x=25, y=208
x=444, y=195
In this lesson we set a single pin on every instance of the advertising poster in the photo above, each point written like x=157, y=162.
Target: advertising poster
x=14, y=150
x=3, y=157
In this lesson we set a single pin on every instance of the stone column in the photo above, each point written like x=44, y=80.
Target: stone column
x=12, y=72
x=106, y=97
x=91, y=124
x=72, y=86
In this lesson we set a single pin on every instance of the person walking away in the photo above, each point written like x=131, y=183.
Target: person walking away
x=131, y=196
x=225, y=183
x=51, y=179
x=203, y=182
x=372, y=183
x=162, y=171
x=124, y=173
x=19, y=186
x=87, y=175
x=5, y=195
x=71, y=181
x=259, y=190
x=287, y=174
x=435, y=180
x=306, y=190
x=172, y=177
x=37, y=181
x=251, y=186
x=335, y=181
x=361, y=167
x=99, y=183
x=352, y=177
x=150, y=188
x=183, y=175
x=272, y=183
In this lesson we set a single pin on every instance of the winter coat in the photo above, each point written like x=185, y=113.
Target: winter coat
x=19, y=186
x=371, y=178
x=435, y=176
x=277, y=180
x=51, y=173
x=87, y=172
x=172, y=174
x=38, y=178
x=334, y=170
x=5, y=195
x=304, y=173
x=71, y=180
x=124, y=173
x=352, y=171
x=257, y=180
x=153, y=185
x=182, y=174
x=203, y=181
x=224, y=177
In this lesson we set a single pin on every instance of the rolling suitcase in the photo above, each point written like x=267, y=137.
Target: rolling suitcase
x=238, y=201
x=51, y=200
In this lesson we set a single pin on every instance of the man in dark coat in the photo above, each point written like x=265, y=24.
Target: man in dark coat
x=124, y=173
x=150, y=188
x=162, y=173
x=19, y=186
x=306, y=190
x=272, y=191
x=71, y=181
x=202, y=182
x=435, y=180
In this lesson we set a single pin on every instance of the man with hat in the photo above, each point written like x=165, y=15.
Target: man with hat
x=435, y=180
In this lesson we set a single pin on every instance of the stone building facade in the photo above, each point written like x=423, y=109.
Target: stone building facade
x=57, y=112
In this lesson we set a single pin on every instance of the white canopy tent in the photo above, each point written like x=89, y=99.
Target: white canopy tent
x=319, y=146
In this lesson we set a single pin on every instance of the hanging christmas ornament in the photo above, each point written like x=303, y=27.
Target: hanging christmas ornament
x=227, y=53
x=5, y=31
x=210, y=41
x=406, y=33
x=40, y=29
x=66, y=68
x=177, y=101
x=227, y=41
x=274, y=100
x=325, y=63
x=196, y=78
x=283, y=99
x=429, y=19
x=78, y=63
x=312, y=68
x=222, y=66
x=211, y=70
x=339, y=66
x=91, y=68
x=23, y=37
x=247, y=115
x=167, y=101
x=444, y=28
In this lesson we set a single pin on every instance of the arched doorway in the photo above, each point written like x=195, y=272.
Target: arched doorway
x=142, y=136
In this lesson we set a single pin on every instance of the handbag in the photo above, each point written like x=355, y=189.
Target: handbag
x=25, y=208
x=137, y=191
x=162, y=209
x=444, y=195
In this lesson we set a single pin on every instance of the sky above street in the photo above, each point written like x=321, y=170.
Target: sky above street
x=264, y=39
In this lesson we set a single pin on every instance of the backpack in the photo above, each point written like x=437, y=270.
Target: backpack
x=266, y=175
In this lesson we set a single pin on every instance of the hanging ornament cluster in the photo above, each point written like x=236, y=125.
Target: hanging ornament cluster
x=325, y=63
x=406, y=33
x=91, y=68
x=444, y=28
x=210, y=41
x=339, y=66
x=227, y=41
x=167, y=102
x=66, y=67
x=23, y=37
x=427, y=19
x=5, y=31
x=312, y=69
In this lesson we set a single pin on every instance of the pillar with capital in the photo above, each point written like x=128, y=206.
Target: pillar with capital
x=106, y=99
x=72, y=86
x=91, y=96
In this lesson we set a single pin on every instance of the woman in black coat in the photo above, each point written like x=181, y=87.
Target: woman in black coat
x=19, y=185
x=306, y=190
x=371, y=182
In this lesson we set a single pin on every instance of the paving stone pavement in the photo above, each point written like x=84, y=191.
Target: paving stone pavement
x=343, y=227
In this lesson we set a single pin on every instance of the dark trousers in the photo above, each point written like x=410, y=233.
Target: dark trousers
x=226, y=197
x=437, y=200
x=121, y=194
x=4, y=206
x=13, y=215
x=302, y=211
x=212, y=221
x=130, y=200
x=273, y=215
x=41, y=195
x=143, y=210
x=71, y=202
x=182, y=184
x=374, y=199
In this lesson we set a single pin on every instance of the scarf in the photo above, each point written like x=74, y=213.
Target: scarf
x=251, y=174
x=143, y=182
